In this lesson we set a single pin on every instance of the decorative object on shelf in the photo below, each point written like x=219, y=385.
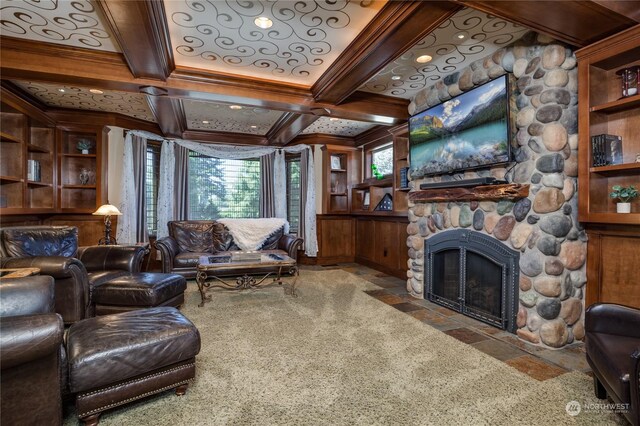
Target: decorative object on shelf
x=376, y=174
x=624, y=194
x=336, y=164
x=84, y=145
x=33, y=171
x=366, y=201
x=85, y=176
x=107, y=210
x=404, y=178
x=606, y=150
x=637, y=158
x=385, y=205
x=630, y=80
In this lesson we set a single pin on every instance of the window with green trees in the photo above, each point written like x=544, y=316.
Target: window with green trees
x=293, y=193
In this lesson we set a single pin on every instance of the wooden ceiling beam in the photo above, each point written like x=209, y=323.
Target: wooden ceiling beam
x=225, y=137
x=140, y=27
x=394, y=30
x=46, y=63
x=577, y=22
x=288, y=127
x=169, y=114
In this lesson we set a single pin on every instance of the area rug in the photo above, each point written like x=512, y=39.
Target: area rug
x=336, y=356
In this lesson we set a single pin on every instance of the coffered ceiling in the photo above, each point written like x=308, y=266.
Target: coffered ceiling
x=177, y=66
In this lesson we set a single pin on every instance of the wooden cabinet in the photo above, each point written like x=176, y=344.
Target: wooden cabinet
x=381, y=244
x=41, y=169
x=603, y=110
x=336, y=239
x=341, y=169
x=400, y=169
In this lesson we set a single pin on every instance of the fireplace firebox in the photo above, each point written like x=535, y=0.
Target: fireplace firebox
x=474, y=274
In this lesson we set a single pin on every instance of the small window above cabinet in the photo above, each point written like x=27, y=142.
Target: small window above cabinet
x=609, y=119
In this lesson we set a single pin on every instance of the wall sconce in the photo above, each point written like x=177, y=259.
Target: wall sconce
x=107, y=210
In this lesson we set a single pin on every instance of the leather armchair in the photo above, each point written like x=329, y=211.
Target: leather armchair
x=54, y=249
x=612, y=342
x=188, y=240
x=31, y=348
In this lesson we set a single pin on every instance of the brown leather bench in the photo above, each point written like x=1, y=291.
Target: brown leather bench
x=130, y=291
x=116, y=359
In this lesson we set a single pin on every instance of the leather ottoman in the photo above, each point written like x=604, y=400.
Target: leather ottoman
x=138, y=290
x=116, y=359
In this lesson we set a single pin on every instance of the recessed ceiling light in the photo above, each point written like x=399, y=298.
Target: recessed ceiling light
x=235, y=107
x=96, y=91
x=396, y=77
x=460, y=36
x=334, y=119
x=254, y=127
x=263, y=22
x=205, y=122
x=61, y=90
x=423, y=59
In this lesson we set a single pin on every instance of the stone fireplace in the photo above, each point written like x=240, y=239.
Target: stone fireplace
x=473, y=274
x=542, y=227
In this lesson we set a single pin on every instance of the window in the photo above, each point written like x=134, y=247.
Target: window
x=223, y=188
x=383, y=159
x=293, y=193
x=152, y=177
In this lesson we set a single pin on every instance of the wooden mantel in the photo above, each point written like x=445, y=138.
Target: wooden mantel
x=508, y=191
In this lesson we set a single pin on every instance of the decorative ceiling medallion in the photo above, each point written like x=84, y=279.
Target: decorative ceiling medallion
x=306, y=36
x=71, y=23
x=482, y=35
x=338, y=127
x=220, y=118
x=131, y=104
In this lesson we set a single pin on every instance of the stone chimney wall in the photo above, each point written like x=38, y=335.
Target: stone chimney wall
x=544, y=226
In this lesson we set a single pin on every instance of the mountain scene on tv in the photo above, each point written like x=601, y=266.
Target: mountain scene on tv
x=468, y=131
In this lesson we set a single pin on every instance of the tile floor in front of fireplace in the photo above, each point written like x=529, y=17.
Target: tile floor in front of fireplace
x=539, y=363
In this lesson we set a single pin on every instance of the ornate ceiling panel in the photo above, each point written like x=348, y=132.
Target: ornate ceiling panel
x=338, y=127
x=305, y=38
x=467, y=36
x=131, y=104
x=221, y=118
x=71, y=23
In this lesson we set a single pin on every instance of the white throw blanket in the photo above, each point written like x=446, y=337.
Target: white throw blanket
x=250, y=234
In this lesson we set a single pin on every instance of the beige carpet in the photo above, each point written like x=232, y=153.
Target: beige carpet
x=336, y=356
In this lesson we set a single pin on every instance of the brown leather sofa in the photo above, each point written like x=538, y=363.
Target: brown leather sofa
x=612, y=342
x=188, y=240
x=54, y=249
x=30, y=352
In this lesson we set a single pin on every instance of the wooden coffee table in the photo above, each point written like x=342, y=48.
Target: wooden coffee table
x=224, y=264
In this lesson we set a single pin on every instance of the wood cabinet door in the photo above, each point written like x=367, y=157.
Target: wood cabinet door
x=336, y=239
x=386, y=244
x=365, y=239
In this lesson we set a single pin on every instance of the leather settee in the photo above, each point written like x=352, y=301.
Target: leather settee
x=188, y=240
x=54, y=250
x=612, y=343
x=31, y=352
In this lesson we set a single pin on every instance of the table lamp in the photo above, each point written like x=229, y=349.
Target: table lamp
x=107, y=210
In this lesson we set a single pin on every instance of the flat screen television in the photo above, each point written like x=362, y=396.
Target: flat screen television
x=469, y=131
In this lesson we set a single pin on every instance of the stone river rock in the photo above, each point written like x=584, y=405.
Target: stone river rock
x=573, y=254
x=465, y=216
x=521, y=209
x=548, y=286
x=578, y=330
x=438, y=220
x=455, y=216
x=578, y=278
x=490, y=222
x=525, y=283
x=549, y=113
x=531, y=263
x=528, y=299
x=554, y=333
x=548, y=308
x=553, y=56
x=571, y=310
x=549, y=245
x=521, y=319
x=556, y=78
x=556, y=96
x=557, y=224
x=488, y=206
x=548, y=200
x=527, y=335
x=554, y=180
x=553, y=267
x=550, y=163
x=503, y=228
x=504, y=207
x=554, y=135
x=520, y=234
x=478, y=220
x=534, y=321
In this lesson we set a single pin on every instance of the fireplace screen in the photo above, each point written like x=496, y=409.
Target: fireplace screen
x=473, y=274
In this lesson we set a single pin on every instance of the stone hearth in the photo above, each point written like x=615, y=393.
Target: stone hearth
x=543, y=226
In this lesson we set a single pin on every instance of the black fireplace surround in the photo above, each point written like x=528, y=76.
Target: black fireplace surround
x=474, y=274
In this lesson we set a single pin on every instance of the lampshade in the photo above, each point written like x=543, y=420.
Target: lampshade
x=107, y=210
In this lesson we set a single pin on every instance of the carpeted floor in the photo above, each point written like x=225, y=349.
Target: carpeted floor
x=336, y=356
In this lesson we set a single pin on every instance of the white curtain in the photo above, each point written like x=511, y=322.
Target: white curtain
x=166, y=188
x=167, y=173
x=126, y=230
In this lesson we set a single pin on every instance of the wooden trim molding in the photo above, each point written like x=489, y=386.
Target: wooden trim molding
x=395, y=29
x=224, y=137
x=169, y=115
x=321, y=139
x=141, y=30
x=17, y=99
